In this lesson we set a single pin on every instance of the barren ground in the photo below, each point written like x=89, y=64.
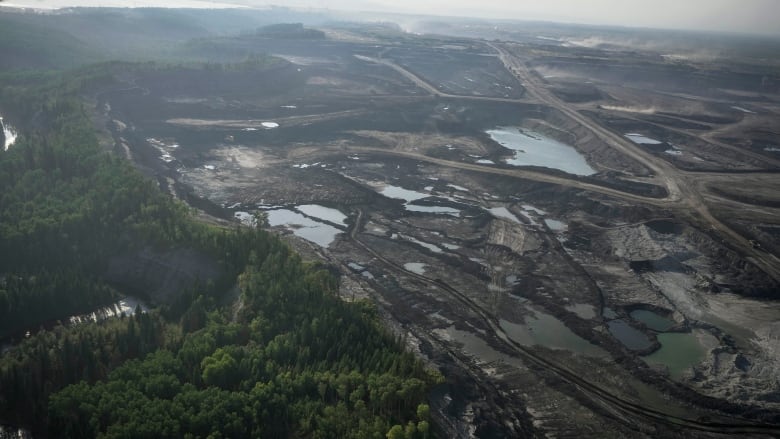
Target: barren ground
x=552, y=302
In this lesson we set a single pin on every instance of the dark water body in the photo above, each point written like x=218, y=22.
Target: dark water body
x=631, y=337
x=665, y=227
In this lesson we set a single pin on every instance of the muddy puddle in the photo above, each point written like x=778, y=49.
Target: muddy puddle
x=400, y=193
x=545, y=330
x=503, y=212
x=533, y=149
x=302, y=226
x=441, y=210
x=477, y=347
x=415, y=267
x=432, y=247
x=411, y=197
x=328, y=214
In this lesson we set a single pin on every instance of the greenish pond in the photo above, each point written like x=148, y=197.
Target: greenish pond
x=679, y=352
x=652, y=320
x=631, y=337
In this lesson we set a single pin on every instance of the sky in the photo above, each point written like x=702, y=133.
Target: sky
x=751, y=16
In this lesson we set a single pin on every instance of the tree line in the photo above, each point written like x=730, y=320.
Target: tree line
x=291, y=361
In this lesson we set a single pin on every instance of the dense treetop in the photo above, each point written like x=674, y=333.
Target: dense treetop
x=284, y=358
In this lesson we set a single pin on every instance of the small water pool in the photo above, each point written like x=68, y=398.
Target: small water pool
x=545, y=330
x=415, y=267
x=534, y=149
x=329, y=214
x=314, y=231
x=652, y=320
x=631, y=337
x=503, y=212
x=679, y=352
x=400, y=193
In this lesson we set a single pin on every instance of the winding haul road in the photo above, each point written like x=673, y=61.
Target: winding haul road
x=684, y=197
x=593, y=392
x=684, y=194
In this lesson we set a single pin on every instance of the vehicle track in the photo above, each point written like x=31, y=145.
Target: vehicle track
x=710, y=138
x=683, y=194
x=516, y=173
x=430, y=88
x=592, y=391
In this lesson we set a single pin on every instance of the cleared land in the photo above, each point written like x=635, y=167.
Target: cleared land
x=539, y=293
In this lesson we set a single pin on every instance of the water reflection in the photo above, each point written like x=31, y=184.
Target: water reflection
x=679, y=352
x=652, y=320
x=631, y=337
x=533, y=149
x=545, y=330
x=319, y=233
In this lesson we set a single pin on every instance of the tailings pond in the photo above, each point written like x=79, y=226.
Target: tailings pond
x=631, y=337
x=533, y=149
x=680, y=351
x=545, y=330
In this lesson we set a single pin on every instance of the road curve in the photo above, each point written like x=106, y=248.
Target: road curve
x=683, y=194
x=425, y=85
x=591, y=391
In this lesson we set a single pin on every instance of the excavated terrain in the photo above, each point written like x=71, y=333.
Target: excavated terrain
x=634, y=295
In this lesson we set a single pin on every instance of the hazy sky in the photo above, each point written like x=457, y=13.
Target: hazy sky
x=754, y=16
x=727, y=15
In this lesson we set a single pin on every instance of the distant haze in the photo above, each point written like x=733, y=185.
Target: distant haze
x=750, y=16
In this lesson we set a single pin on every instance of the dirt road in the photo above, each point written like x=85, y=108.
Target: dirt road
x=430, y=88
x=684, y=197
x=592, y=392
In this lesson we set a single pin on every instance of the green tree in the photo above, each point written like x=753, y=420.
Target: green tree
x=396, y=432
